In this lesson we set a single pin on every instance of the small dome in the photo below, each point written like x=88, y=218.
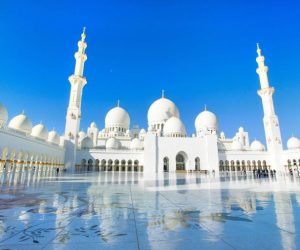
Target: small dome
x=206, y=120
x=40, y=131
x=117, y=117
x=293, y=143
x=136, y=144
x=161, y=110
x=112, y=143
x=86, y=143
x=174, y=127
x=3, y=114
x=93, y=125
x=241, y=130
x=142, y=132
x=236, y=146
x=53, y=137
x=21, y=123
x=257, y=146
x=81, y=135
x=222, y=135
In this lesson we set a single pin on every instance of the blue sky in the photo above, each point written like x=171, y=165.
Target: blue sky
x=199, y=52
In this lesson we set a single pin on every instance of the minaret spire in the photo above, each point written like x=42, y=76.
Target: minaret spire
x=83, y=35
x=80, y=55
x=258, y=50
x=77, y=81
x=271, y=122
x=262, y=69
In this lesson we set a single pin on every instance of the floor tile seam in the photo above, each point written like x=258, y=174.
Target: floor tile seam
x=227, y=243
x=217, y=235
x=133, y=210
x=171, y=202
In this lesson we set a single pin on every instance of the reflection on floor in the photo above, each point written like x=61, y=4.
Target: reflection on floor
x=122, y=211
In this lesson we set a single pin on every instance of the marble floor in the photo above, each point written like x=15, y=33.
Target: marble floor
x=99, y=210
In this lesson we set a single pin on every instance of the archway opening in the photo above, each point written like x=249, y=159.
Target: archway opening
x=97, y=163
x=136, y=166
x=129, y=165
x=116, y=165
x=103, y=165
x=90, y=165
x=221, y=166
x=123, y=165
x=197, y=164
x=110, y=165
x=180, y=162
x=166, y=164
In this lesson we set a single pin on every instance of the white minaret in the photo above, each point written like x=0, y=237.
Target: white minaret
x=77, y=81
x=271, y=123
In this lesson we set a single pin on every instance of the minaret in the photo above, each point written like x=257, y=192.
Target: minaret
x=77, y=81
x=271, y=123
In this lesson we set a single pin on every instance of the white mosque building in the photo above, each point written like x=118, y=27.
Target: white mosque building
x=163, y=147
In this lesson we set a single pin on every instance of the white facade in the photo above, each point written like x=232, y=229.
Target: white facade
x=23, y=147
x=164, y=147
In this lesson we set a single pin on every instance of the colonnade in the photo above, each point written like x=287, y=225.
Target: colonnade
x=110, y=165
x=12, y=160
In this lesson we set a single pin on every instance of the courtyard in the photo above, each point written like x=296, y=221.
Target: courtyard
x=105, y=210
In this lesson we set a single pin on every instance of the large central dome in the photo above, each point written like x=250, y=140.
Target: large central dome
x=161, y=110
x=117, y=117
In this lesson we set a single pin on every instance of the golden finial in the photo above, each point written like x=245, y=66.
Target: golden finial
x=258, y=49
x=83, y=35
x=118, y=103
x=162, y=93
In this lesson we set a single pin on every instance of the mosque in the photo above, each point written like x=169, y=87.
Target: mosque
x=164, y=146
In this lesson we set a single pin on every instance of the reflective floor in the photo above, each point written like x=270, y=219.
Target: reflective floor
x=121, y=211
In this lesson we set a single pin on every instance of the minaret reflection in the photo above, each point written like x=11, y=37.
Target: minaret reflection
x=283, y=209
x=210, y=217
x=285, y=219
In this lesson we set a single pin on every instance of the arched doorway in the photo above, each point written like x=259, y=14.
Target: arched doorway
x=166, y=164
x=180, y=162
x=90, y=165
x=97, y=163
x=259, y=165
x=265, y=165
x=123, y=165
x=129, y=165
x=110, y=165
x=103, y=165
x=136, y=166
x=116, y=165
x=197, y=164
x=221, y=166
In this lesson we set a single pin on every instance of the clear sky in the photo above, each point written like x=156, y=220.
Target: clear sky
x=199, y=52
